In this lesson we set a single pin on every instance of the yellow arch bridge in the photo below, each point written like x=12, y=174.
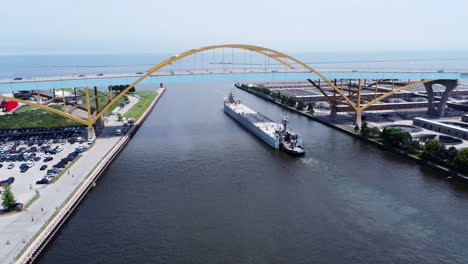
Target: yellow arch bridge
x=352, y=100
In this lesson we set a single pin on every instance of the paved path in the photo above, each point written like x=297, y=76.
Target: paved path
x=22, y=226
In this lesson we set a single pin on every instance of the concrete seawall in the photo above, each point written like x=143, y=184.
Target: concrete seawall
x=434, y=166
x=46, y=235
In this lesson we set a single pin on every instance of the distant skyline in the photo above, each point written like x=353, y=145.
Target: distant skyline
x=144, y=26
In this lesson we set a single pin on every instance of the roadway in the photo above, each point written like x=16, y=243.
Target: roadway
x=214, y=75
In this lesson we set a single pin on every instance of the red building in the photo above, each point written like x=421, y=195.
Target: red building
x=9, y=105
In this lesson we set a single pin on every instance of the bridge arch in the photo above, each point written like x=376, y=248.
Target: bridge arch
x=280, y=57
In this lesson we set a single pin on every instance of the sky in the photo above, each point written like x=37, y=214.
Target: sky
x=165, y=26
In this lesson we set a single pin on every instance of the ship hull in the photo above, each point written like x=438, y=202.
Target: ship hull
x=271, y=141
x=297, y=153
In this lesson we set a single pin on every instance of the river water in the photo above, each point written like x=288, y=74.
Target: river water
x=193, y=186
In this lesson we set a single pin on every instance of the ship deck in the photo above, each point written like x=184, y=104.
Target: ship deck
x=264, y=123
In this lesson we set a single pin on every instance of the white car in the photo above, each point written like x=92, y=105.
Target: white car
x=11, y=166
x=30, y=164
x=118, y=132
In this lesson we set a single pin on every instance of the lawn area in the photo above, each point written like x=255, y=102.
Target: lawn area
x=137, y=110
x=103, y=99
x=31, y=117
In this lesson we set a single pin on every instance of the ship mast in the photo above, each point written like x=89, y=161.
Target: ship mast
x=231, y=98
x=285, y=123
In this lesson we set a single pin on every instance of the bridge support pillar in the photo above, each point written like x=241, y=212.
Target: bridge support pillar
x=358, y=119
x=333, y=111
x=450, y=85
x=91, y=132
x=430, y=98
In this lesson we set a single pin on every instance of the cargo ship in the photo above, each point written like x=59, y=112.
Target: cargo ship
x=274, y=134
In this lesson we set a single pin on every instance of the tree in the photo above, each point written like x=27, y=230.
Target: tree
x=119, y=117
x=284, y=99
x=356, y=128
x=310, y=108
x=365, y=129
x=394, y=137
x=451, y=155
x=461, y=161
x=411, y=146
x=374, y=132
x=300, y=106
x=434, y=151
x=8, y=199
x=278, y=95
x=291, y=101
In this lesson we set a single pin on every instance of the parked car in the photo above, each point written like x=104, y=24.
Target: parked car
x=58, y=149
x=118, y=132
x=79, y=150
x=53, y=171
x=11, y=166
x=8, y=181
x=47, y=159
x=42, y=181
x=43, y=167
x=18, y=206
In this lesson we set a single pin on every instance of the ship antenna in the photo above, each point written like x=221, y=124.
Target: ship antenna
x=285, y=122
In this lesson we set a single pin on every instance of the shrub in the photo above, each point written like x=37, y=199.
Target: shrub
x=300, y=106
x=434, y=151
x=461, y=161
x=310, y=108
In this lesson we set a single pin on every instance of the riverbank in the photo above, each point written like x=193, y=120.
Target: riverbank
x=29, y=232
x=349, y=132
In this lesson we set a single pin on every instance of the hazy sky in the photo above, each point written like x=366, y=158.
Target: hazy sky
x=89, y=26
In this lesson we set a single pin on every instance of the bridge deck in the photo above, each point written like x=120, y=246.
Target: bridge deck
x=190, y=76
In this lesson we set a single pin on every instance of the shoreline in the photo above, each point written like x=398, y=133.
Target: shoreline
x=39, y=242
x=402, y=154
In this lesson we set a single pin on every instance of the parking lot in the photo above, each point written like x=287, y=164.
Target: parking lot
x=34, y=156
x=40, y=135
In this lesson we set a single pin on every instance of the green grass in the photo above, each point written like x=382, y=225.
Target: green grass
x=32, y=117
x=144, y=102
x=36, y=196
x=103, y=99
x=24, y=108
x=117, y=103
